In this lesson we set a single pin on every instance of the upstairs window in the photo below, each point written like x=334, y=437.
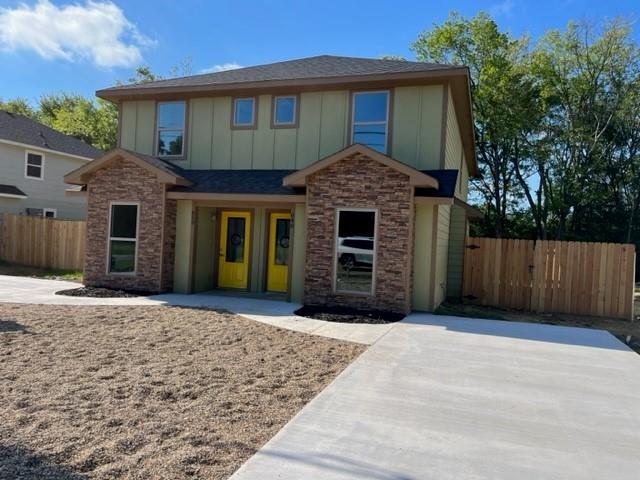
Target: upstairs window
x=370, y=119
x=244, y=113
x=34, y=165
x=123, y=237
x=171, y=118
x=284, y=111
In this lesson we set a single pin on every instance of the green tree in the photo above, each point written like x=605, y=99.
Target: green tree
x=20, y=106
x=504, y=102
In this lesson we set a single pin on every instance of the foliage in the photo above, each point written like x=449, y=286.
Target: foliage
x=557, y=126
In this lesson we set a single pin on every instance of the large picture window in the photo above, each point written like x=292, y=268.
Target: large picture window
x=355, y=251
x=171, y=118
x=123, y=238
x=370, y=119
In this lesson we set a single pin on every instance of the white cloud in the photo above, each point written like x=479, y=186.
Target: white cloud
x=97, y=31
x=221, y=68
x=503, y=8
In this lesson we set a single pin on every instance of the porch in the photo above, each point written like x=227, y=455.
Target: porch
x=240, y=248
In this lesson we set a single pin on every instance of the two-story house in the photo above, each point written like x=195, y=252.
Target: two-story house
x=33, y=162
x=334, y=180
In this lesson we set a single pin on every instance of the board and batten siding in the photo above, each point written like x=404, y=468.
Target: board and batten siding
x=457, y=233
x=323, y=129
x=441, y=254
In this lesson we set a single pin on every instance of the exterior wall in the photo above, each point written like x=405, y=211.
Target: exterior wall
x=182, y=271
x=453, y=141
x=422, y=292
x=457, y=231
x=323, y=129
x=203, y=265
x=169, y=244
x=359, y=182
x=47, y=193
x=441, y=254
x=298, y=255
x=417, y=126
x=125, y=181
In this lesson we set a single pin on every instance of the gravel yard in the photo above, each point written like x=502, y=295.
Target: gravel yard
x=148, y=392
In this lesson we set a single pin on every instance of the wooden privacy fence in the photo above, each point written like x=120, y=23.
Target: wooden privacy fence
x=551, y=276
x=43, y=242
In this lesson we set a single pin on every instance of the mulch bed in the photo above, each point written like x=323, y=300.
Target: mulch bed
x=103, y=392
x=97, y=292
x=348, y=315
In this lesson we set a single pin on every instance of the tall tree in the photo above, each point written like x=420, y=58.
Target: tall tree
x=504, y=101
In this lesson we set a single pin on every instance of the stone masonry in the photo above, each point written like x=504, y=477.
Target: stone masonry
x=360, y=182
x=125, y=181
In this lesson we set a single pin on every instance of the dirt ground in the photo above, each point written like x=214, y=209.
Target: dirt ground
x=148, y=392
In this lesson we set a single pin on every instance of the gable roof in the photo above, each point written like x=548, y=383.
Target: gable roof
x=165, y=172
x=416, y=177
x=20, y=129
x=310, y=68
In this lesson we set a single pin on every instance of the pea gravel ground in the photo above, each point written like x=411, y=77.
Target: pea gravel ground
x=148, y=392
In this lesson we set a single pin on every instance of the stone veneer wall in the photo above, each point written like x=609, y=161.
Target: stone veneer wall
x=360, y=182
x=127, y=182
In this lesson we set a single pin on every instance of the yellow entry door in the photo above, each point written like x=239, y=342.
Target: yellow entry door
x=233, y=267
x=278, y=266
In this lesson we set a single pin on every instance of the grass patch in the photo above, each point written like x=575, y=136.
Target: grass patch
x=35, y=272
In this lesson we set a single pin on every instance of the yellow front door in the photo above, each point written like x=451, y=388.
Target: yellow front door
x=233, y=267
x=278, y=266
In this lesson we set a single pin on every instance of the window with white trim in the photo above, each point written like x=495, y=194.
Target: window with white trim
x=284, y=110
x=170, y=134
x=244, y=112
x=370, y=119
x=123, y=237
x=34, y=165
x=49, y=213
x=355, y=250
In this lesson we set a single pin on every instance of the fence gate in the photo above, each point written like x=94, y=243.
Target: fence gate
x=551, y=276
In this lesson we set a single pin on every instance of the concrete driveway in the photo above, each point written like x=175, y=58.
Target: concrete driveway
x=451, y=398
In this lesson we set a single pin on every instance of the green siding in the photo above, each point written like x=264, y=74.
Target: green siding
x=204, y=249
x=257, y=261
x=457, y=230
x=200, y=133
x=417, y=126
x=184, y=247
x=416, y=130
x=298, y=254
x=442, y=255
x=423, y=243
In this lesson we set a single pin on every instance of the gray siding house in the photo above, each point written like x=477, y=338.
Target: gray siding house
x=33, y=162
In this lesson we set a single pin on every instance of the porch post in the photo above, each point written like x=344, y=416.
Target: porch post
x=182, y=272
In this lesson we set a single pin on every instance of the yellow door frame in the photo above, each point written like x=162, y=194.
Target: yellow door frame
x=277, y=275
x=234, y=274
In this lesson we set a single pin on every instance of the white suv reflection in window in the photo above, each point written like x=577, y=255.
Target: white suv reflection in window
x=355, y=251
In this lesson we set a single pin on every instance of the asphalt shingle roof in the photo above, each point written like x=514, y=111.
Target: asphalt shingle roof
x=447, y=180
x=20, y=129
x=323, y=66
x=11, y=190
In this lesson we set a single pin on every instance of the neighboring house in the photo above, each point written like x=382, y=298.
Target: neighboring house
x=336, y=180
x=33, y=162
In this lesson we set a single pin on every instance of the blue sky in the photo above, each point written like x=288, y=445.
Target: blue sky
x=79, y=46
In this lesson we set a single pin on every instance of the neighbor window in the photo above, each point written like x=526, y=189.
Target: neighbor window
x=123, y=238
x=284, y=110
x=171, y=118
x=244, y=112
x=34, y=165
x=370, y=119
x=49, y=213
x=355, y=251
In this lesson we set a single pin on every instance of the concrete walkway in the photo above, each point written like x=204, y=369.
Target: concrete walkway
x=276, y=313
x=450, y=398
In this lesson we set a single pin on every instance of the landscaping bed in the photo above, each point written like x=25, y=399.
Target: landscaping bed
x=348, y=315
x=107, y=392
x=97, y=292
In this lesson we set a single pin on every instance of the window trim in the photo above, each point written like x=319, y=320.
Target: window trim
x=296, y=111
x=244, y=126
x=45, y=210
x=334, y=278
x=26, y=164
x=183, y=154
x=110, y=239
x=352, y=115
